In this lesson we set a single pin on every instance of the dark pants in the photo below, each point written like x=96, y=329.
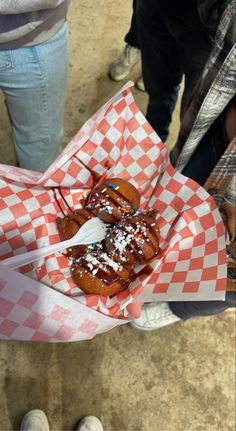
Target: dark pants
x=208, y=152
x=188, y=309
x=132, y=36
x=173, y=43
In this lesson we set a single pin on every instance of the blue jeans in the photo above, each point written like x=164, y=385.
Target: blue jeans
x=173, y=43
x=33, y=81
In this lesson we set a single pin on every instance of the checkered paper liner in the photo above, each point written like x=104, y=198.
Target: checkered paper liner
x=118, y=142
x=27, y=313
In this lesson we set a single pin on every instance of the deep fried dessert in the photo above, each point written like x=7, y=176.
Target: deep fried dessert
x=134, y=239
x=112, y=199
x=69, y=225
x=97, y=273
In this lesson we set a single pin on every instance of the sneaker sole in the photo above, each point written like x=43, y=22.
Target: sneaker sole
x=143, y=328
x=118, y=78
x=140, y=328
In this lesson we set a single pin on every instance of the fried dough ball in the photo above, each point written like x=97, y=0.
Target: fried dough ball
x=134, y=239
x=112, y=199
x=97, y=273
x=69, y=225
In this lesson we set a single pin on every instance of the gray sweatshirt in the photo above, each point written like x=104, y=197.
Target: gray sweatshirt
x=30, y=22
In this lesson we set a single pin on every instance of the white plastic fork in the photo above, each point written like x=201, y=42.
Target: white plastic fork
x=94, y=230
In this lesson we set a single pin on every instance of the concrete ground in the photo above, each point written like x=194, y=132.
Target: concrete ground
x=180, y=378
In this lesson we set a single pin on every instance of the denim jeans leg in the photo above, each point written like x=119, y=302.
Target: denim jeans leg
x=162, y=69
x=34, y=88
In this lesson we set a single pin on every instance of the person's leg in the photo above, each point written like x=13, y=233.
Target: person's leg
x=34, y=86
x=208, y=152
x=122, y=65
x=35, y=420
x=187, y=309
x=161, y=65
x=132, y=36
x=194, y=45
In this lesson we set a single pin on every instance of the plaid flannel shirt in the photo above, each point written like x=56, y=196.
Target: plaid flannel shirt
x=215, y=91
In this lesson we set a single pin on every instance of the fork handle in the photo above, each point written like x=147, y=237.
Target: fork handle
x=30, y=256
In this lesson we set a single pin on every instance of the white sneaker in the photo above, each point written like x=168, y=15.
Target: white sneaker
x=154, y=316
x=35, y=420
x=89, y=423
x=121, y=67
x=139, y=84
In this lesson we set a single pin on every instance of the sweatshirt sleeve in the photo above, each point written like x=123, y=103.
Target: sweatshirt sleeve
x=9, y=7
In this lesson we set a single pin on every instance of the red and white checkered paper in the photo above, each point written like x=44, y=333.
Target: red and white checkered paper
x=116, y=142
